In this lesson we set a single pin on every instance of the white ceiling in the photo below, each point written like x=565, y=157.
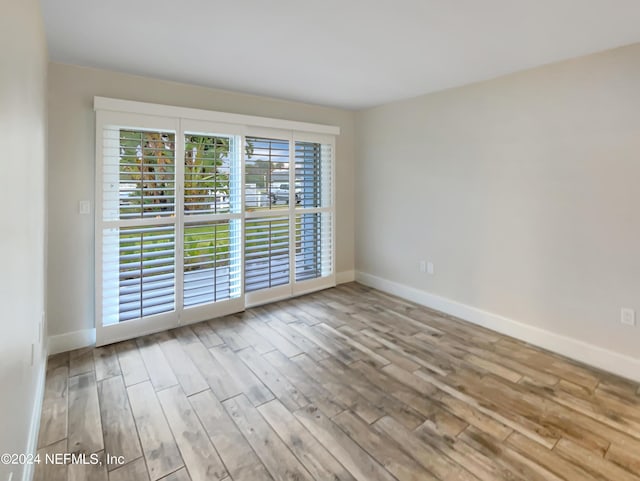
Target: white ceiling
x=345, y=53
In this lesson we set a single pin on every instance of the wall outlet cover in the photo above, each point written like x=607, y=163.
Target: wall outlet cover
x=628, y=316
x=84, y=207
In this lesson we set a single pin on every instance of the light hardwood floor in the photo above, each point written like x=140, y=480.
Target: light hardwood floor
x=344, y=384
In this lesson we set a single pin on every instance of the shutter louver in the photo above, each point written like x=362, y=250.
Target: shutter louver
x=139, y=266
x=266, y=253
x=314, y=236
x=147, y=271
x=308, y=174
x=207, y=172
x=211, y=269
x=210, y=273
x=313, y=245
x=308, y=238
x=266, y=173
x=142, y=173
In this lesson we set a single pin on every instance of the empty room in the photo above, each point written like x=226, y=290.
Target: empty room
x=320, y=241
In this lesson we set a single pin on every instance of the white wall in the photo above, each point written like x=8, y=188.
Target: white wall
x=524, y=191
x=71, y=175
x=23, y=61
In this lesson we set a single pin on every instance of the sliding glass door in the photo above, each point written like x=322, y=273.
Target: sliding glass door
x=199, y=219
x=211, y=222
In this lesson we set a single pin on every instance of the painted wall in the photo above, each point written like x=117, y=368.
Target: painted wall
x=23, y=58
x=71, y=176
x=524, y=192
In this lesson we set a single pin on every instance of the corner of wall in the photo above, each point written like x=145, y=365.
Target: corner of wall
x=345, y=276
x=36, y=414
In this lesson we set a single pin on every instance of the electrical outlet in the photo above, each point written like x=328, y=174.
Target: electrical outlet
x=628, y=316
x=84, y=207
x=430, y=268
x=422, y=265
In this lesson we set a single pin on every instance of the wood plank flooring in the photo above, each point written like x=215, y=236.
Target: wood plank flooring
x=344, y=384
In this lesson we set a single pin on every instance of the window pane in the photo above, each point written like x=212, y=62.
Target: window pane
x=140, y=173
x=211, y=263
x=146, y=270
x=308, y=246
x=308, y=173
x=313, y=245
x=207, y=170
x=266, y=253
x=266, y=173
x=314, y=174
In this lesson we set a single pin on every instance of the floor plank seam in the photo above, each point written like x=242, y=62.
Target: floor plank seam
x=345, y=365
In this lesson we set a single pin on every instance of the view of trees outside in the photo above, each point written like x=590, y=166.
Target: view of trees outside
x=147, y=189
x=140, y=182
x=206, y=174
x=147, y=174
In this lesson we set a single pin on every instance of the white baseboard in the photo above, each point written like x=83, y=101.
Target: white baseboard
x=345, y=276
x=590, y=354
x=87, y=337
x=36, y=413
x=72, y=340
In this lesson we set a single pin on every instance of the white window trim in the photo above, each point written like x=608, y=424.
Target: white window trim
x=118, y=105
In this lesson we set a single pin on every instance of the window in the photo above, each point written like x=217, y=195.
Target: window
x=203, y=213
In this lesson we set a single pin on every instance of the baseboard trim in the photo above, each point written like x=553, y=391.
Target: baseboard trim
x=586, y=353
x=87, y=337
x=34, y=428
x=71, y=340
x=345, y=276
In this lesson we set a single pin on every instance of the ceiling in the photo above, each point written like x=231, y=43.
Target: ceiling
x=352, y=54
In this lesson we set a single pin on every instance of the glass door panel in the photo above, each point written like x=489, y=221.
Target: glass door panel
x=268, y=213
x=138, y=247
x=267, y=257
x=212, y=223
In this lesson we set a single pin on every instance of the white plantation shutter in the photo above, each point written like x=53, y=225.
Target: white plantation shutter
x=308, y=251
x=266, y=169
x=147, y=271
x=212, y=223
x=314, y=213
x=138, y=212
x=314, y=241
x=199, y=214
x=267, y=236
x=309, y=173
x=266, y=253
x=210, y=274
x=207, y=173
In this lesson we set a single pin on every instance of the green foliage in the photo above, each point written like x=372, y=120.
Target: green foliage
x=147, y=170
x=202, y=175
x=147, y=161
x=207, y=244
